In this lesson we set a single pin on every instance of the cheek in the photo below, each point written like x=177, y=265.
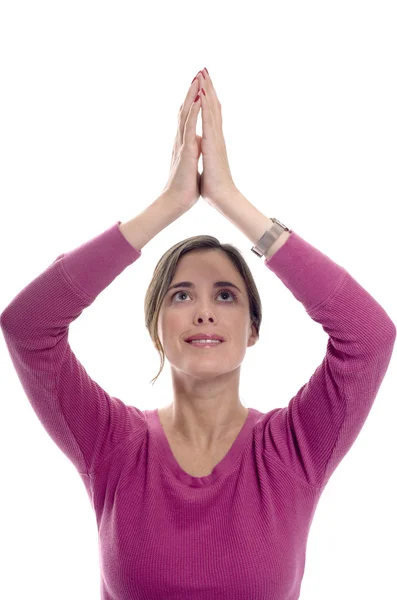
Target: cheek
x=169, y=325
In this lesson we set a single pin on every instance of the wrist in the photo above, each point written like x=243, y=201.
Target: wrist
x=170, y=203
x=244, y=215
x=277, y=244
x=139, y=230
x=249, y=220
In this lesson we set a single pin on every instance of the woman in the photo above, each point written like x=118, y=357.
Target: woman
x=205, y=498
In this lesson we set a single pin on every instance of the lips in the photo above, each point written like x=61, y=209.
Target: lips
x=197, y=343
x=204, y=336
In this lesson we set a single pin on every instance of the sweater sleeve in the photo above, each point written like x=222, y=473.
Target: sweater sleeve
x=315, y=431
x=81, y=418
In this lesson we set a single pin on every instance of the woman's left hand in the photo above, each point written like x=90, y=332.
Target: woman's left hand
x=216, y=181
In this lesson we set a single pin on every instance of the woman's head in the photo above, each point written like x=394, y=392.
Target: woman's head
x=171, y=315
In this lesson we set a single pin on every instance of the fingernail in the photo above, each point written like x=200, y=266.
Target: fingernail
x=196, y=77
x=203, y=90
x=197, y=97
x=203, y=74
x=206, y=69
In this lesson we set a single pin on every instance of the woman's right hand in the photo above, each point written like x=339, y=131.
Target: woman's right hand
x=183, y=182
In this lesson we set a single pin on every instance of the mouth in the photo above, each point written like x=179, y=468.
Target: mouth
x=198, y=344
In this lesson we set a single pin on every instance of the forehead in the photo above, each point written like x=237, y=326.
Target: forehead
x=209, y=268
x=206, y=264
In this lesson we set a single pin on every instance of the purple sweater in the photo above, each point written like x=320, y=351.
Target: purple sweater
x=240, y=532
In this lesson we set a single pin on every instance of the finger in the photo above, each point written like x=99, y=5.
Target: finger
x=209, y=88
x=185, y=107
x=189, y=134
x=206, y=114
x=210, y=111
x=198, y=140
x=184, y=111
x=182, y=114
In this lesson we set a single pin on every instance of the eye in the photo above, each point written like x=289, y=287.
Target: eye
x=232, y=294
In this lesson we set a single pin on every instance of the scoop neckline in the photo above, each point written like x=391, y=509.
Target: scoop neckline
x=169, y=461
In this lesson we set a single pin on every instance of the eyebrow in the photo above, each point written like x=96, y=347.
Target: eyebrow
x=217, y=284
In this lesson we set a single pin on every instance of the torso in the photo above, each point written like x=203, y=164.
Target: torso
x=193, y=462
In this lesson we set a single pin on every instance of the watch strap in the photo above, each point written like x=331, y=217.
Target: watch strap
x=269, y=237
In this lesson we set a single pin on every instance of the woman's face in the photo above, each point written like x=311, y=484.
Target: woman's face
x=205, y=308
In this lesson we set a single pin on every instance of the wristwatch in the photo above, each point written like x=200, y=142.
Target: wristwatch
x=269, y=237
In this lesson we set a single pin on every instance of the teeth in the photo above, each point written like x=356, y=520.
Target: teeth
x=205, y=342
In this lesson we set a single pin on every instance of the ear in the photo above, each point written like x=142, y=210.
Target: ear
x=253, y=338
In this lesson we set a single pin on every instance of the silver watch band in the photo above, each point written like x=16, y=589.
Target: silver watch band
x=269, y=237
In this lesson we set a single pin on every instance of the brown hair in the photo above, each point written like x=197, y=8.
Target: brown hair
x=165, y=271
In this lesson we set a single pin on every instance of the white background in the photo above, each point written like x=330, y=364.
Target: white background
x=90, y=93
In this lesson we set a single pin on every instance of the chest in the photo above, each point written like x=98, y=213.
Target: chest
x=198, y=463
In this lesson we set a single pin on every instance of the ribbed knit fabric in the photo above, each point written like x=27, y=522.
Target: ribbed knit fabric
x=240, y=532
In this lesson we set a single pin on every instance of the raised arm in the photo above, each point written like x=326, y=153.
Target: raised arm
x=82, y=419
x=156, y=217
